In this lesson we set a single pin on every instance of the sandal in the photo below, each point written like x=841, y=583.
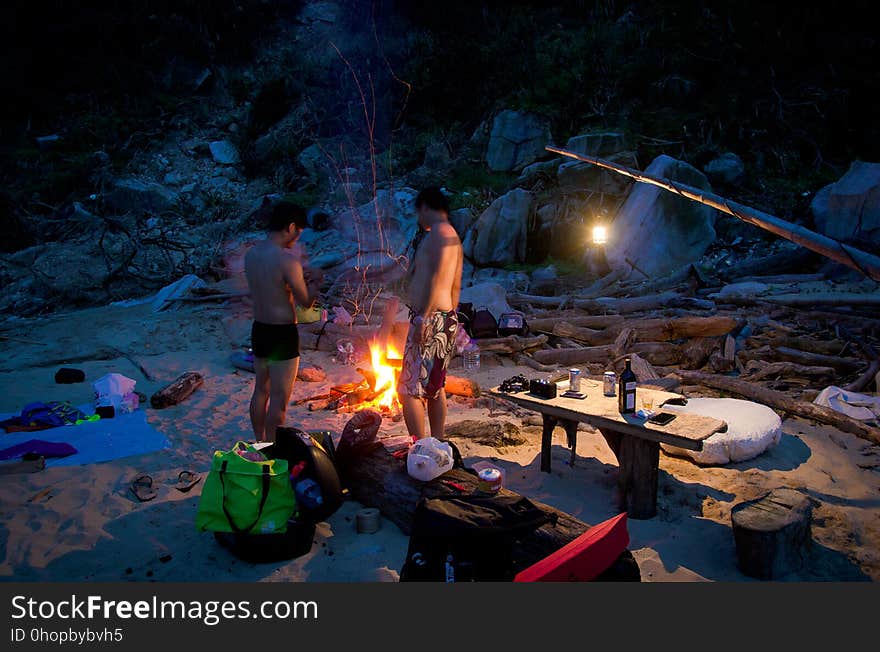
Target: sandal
x=142, y=488
x=186, y=480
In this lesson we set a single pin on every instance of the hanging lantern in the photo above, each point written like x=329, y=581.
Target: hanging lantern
x=600, y=234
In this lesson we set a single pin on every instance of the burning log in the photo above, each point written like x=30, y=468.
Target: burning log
x=783, y=403
x=379, y=480
x=458, y=386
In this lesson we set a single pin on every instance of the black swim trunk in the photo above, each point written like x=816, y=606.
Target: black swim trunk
x=275, y=342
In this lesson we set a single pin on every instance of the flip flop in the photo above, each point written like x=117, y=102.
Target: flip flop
x=32, y=465
x=186, y=480
x=142, y=488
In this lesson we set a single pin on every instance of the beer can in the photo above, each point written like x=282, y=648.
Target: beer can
x=609, y=383
x=574, y=380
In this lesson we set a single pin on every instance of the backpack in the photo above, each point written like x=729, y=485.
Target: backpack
x=465, y=315
x=468, y=538
x=483, y=324
x=512, y=323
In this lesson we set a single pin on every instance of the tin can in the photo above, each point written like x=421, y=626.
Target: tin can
x=609, y=383
x=489, y=480
x=574, y=380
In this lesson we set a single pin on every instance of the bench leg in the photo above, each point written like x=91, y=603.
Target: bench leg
x=547, y=441
x=638, y=474
x=571, y=432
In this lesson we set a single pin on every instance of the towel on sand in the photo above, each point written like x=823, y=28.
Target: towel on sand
x=99, y=441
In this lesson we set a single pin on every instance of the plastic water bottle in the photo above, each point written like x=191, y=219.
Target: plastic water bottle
x=450, y=569
x=471, y=356
x=308, y=493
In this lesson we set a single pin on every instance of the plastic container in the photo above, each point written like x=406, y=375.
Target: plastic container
x=470, y=357
x=429, y=458
x=308, y=494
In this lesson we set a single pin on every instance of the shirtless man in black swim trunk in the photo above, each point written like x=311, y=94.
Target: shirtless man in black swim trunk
x=277, y=284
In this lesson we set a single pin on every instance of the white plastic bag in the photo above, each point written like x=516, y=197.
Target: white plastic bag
x=429, y=458
x=111, y=389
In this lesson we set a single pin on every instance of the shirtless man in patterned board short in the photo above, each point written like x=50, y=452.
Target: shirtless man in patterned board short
x=433, y=293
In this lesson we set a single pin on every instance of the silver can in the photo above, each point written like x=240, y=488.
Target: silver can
x=609, y=383
x=574, y=380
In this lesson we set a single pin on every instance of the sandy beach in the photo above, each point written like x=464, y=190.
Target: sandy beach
x=82, y=523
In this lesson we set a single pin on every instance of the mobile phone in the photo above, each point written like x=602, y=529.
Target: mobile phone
x=662, y=418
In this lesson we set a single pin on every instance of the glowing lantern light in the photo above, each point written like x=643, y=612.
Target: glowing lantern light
x=600, y=234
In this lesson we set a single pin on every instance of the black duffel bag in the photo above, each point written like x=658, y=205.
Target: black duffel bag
x=468, y=538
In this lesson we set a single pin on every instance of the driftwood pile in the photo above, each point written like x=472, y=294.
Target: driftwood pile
x=777, y=340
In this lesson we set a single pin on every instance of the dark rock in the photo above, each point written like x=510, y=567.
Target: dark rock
x=499, y=235
x=139, y=196
x=727, y=168
x=516, y=140
x=849, y=209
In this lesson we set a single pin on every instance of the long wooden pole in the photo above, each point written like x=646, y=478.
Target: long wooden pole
x=867, y=264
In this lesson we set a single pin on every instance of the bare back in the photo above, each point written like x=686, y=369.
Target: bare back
x=435, y=283
x=275, y=279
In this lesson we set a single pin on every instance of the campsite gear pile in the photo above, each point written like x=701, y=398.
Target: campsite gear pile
x=468, y=538
x=262, y=502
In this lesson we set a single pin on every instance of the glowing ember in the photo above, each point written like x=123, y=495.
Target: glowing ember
x=386, y=366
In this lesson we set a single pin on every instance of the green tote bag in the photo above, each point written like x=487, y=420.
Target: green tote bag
x=245, y=497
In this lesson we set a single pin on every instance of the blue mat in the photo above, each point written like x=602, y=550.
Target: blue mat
x=97, y=441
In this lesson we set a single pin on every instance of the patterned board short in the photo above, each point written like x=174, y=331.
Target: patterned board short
x=423, y=373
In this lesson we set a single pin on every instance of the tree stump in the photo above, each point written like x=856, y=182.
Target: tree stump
x=177, y=391
x=772, y=533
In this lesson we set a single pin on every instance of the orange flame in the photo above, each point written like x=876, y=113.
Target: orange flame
x=386, y=376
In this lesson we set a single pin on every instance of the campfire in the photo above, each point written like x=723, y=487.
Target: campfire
x=377, y=390
x=382, y=379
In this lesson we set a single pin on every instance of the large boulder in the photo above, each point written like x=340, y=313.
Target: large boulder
x=138, y=196
x=850, y=208
x=462, y=219
x=599, y=144
x=656, y=232
x=516, y=140
x=224, y=152
x=386, y=224
x=586, y=177
x=499, y=235
x=727, y=168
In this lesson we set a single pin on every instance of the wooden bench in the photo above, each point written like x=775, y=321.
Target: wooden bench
x=635, y=443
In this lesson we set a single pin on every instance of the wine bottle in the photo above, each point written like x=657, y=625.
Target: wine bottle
x=626, y=390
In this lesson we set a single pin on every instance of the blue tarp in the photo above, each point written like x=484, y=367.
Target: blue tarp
x=98, y=441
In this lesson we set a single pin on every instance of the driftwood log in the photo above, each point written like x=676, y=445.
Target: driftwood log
x=782, y=402
x=511, y=344
x=575, y=318
x=458, y=386
x=379, y=480
x=177, y=391
x=658, y=353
